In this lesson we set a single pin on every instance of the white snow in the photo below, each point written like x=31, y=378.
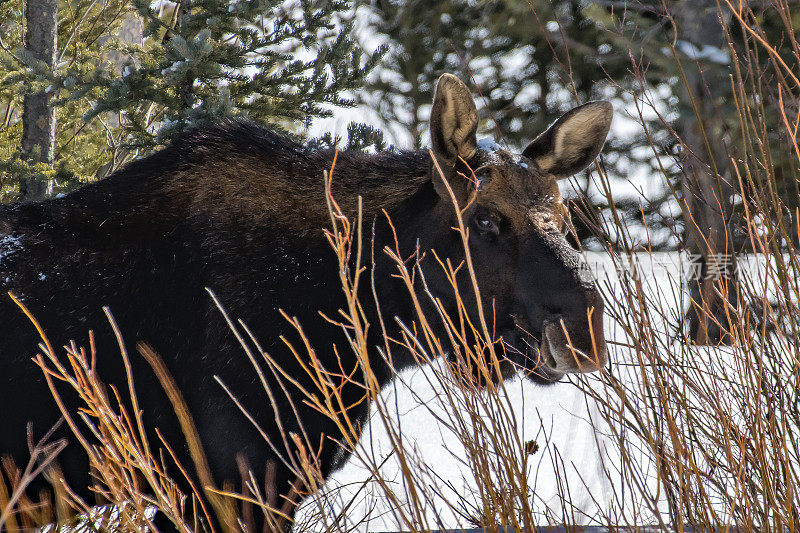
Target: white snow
x=176, y=65
x=488, y=144
x=707, y=52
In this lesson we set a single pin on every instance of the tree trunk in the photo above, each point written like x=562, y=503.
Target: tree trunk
x=707, y=190
x=38, y=118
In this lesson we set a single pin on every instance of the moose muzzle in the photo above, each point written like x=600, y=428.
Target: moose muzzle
x=560, y=330
x=575, y=345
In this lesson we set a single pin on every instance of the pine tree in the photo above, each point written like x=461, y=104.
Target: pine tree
x=517, y=55
x=12, y=34
x=696, y=50
x=426, y=40
x=281, y=62
x=80, y=146
x=38, y=118
x=211, y=59
x=706, y=180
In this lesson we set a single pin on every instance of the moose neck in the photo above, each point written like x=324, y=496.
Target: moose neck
x=420, y=223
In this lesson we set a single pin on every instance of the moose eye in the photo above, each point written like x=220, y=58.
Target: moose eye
x=486, y=224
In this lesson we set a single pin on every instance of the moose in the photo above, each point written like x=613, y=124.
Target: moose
x=240, y=209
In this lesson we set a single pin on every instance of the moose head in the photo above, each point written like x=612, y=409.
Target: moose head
x=534, y=287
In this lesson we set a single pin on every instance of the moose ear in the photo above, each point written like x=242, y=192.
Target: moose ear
x=454, y=121
x=573, y=141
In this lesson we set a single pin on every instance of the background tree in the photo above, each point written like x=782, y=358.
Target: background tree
x=697, y=53
x=280, y=62
x=706, y=181
x=517, y=54
x=84, y=27
x=38, y=117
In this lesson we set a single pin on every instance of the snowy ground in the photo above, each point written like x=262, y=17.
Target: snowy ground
x=561, y=418
x=557, y=417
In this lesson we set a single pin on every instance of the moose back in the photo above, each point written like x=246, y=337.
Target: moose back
x=240, y=209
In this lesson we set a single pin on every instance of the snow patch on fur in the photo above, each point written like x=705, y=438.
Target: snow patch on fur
x=9, y=245
x=489, y=145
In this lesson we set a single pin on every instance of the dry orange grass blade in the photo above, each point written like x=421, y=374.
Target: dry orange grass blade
x=223, y=508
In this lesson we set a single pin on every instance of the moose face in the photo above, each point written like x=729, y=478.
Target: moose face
x=536, y=293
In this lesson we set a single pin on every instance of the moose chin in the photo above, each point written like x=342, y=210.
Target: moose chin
x=240, y=209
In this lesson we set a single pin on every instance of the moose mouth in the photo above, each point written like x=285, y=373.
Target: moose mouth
x=522, y=347
x=558, y=347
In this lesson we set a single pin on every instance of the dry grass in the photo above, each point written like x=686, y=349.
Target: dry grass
x=719, y=425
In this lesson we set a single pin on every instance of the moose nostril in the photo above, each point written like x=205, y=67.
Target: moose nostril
x=593, y=298
x=597, y=317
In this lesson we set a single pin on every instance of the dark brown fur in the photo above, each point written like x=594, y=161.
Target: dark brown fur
x=241, y=209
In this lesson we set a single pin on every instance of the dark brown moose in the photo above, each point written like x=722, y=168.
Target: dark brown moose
x=240, y=209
